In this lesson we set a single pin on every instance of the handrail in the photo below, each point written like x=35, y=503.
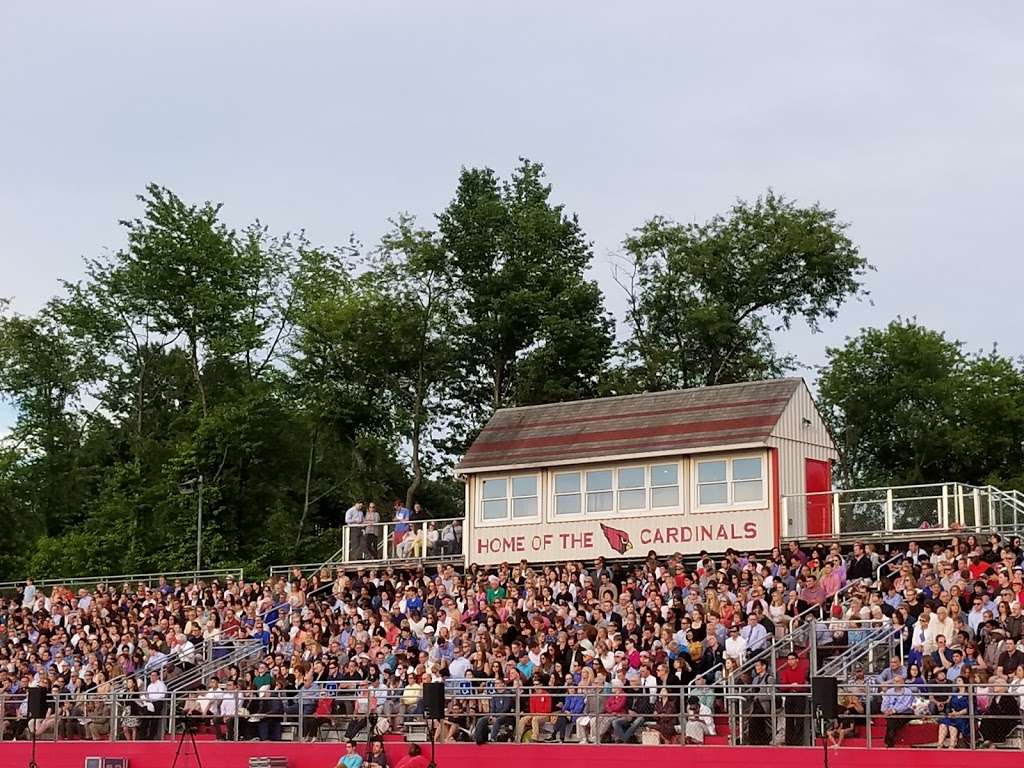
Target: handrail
x=293, y=709
x=149, y=579
x=388, y=553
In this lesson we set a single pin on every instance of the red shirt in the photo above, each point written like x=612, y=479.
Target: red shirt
x=410, y=761
x=540, y=704
x=793, y=677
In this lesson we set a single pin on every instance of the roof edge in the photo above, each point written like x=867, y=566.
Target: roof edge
x=609, y=458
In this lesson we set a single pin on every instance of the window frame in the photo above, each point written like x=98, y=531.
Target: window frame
x=646, y=511
x=730, y=502
x=508, y=518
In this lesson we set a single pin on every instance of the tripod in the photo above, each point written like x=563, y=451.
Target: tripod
x=187, y=729
x=432, y=727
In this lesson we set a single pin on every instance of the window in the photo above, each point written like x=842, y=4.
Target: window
x=632, y=488
x=664, y=485
x=730, y=481
x=495, y=499
x=567, y=494
x=712, y=487
x=599, y=492
x=502, y=495
x=746, y=480
x=524, y=496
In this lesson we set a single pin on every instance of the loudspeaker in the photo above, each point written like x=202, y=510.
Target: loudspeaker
x=36, y=702
x=825, y=697
x=433, y=700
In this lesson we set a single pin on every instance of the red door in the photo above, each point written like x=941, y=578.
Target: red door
x=818, y=480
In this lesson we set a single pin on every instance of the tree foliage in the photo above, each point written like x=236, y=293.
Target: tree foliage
x=908, y=405
x=704, y=299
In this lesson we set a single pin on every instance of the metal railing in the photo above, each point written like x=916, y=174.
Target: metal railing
x=909, y=510
x=392, y=543
x=127, y=579
x=732, y=712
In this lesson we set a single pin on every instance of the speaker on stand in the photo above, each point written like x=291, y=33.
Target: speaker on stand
x=433, y=707
x=37, y=700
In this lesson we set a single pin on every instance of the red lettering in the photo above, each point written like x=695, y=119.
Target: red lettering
x=751, y=530
x=705, y=532
x=672, y=535
x=645, y=535
x=686, y=534
x=659, y=536
x=721, y=533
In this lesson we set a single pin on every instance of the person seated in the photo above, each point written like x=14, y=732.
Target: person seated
x=351, y=758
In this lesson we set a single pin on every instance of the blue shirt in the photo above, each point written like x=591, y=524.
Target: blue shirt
x=352, y=761
x=574, y=704
x=898, y=700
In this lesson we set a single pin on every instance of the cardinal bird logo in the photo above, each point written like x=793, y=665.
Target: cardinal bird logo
x=617, y=539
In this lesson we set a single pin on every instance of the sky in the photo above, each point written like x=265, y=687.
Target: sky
x=332, y=116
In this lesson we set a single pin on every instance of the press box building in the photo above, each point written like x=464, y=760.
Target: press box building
x=681, y=471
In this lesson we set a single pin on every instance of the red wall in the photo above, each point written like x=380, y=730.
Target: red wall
x=236, y=755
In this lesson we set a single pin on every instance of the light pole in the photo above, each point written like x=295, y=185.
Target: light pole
x=186, y=488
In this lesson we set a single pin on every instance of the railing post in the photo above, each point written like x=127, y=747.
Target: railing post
x=385, y=539
x=976, y=498
x=836, y=526
x=346, y=553
x=944, y=512
x=889, y=517
x=959, y=505
x=784, y=516
x=867, y=714
x=971, y=721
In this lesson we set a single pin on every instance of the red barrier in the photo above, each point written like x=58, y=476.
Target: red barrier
x=236, y=755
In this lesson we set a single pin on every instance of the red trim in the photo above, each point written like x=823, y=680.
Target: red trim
x=545, y=423
x=220, y=754
x=725, y=440
x=720, y=425
x=776, y=496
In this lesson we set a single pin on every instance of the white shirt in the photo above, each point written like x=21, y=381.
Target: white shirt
x=156, y=691
x=736, y=647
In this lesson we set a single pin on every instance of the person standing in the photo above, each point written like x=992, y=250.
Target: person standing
x=372, y=532
x=402, y=516
x=354, y=519
x=793, y=683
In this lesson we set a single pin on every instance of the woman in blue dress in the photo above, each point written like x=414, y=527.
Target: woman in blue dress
x=955, y=722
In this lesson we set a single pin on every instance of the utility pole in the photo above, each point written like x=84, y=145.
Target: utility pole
x=199, y=531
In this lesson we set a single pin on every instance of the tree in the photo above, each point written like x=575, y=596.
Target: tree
x=704, y=299
x=908, y=406
x=535, y=329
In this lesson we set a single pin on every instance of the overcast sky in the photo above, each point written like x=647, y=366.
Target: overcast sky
x=908, y=118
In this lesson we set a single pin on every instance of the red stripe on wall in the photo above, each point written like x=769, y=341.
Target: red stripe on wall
x=719, y=425
x=602, y=449
x=545, y=423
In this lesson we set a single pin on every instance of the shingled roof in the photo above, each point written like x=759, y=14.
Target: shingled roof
x=648, y=424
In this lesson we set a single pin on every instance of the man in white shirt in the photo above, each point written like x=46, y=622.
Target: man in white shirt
x=156, y=702
x=355, y=520
x=735, y=646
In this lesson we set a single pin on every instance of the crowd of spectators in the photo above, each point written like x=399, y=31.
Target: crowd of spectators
x=605, y=651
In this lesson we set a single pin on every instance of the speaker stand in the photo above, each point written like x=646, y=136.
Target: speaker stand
x=432, y=726
x=32, y=759
x=823, y=729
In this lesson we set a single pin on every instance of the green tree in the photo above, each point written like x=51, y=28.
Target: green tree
x=907, y=405
x=704, y=299
x=534, y=328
